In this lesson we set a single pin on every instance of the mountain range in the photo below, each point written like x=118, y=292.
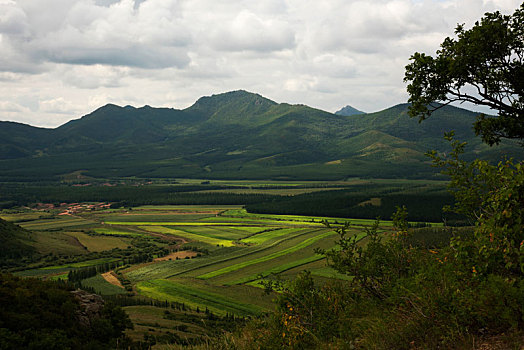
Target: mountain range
x=236, y=135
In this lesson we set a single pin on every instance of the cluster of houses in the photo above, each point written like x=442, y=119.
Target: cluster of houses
x=73, y=208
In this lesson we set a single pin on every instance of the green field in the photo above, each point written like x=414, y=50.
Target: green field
x=113, y=232
x=95, y=243
x=242, y=248
x=282, y=252
x=101, y=286
x=235, y=249
x=195, y=297
x=189, y=235
x=58, y=223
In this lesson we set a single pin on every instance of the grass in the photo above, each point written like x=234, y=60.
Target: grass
x=58, y=243
x=113, y=232
x=295, y=261
x=265, y=236
x=239, y=249
x=274, y=255
x=229, y=256
x=25, y=216
x=222, y=256
x=48, y=224
x=278, y=269
x=61, y=269
x=174, y=223
x=77, y=265
x=99, y=243
x=151, y=320
x=329, y=273
x=162, y=289
x=159, y=217
x=188, y=235
x=101, y=286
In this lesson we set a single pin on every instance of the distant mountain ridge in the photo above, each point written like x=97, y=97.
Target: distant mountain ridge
x=348, y=110
x=237, y=134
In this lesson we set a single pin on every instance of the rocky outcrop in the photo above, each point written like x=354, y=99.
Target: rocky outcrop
x=91, y=306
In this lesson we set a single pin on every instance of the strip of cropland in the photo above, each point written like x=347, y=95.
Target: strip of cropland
x=162, y=289
x=267, y=257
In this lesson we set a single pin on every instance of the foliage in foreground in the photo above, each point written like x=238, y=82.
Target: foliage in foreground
x=403, y=295
x=488, y=59
x=36, y=314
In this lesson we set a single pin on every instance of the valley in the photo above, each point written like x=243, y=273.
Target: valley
x=170, y=266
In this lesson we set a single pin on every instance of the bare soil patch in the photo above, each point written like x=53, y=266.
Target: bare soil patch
x=111, y=278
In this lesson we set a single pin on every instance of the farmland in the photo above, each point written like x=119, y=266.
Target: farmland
x=227, y=249
x=194, y=257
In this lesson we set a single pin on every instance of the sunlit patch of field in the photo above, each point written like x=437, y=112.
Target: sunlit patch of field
x=187, y=208
x=292, y=259
x=226, y=258
x=274, y=255
x=114, y=232
x=111, y=278
x=153, y=217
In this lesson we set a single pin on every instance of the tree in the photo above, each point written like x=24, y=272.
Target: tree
x=493, y=196
x=483, y=66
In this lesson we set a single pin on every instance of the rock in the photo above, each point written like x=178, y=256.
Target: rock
x=91, y=306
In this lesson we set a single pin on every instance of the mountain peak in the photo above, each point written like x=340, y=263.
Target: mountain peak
x=232, y=107
x=236, y=96
x=348, y=110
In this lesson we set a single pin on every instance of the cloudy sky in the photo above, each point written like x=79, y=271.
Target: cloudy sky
x=61, y=59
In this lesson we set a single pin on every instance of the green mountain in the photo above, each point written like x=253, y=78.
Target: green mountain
x=234, y=135
x=348, y=110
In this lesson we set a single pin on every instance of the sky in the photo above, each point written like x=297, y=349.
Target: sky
x=62, y=59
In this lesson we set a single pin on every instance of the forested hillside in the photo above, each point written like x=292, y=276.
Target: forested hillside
x=37, y=314
x=15, y=243
x=234, y=135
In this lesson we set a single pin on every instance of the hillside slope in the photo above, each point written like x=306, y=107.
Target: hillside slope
x=234, y=135
x=15, y=243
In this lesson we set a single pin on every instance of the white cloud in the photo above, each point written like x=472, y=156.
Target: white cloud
x=248, y=31
x=57, y=106
x=94, y=76
x=64, y=58
x=12, y=111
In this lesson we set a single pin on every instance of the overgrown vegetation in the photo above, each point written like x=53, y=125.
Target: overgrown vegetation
x=39, y=314
x=14, y=245
x=403, y=295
